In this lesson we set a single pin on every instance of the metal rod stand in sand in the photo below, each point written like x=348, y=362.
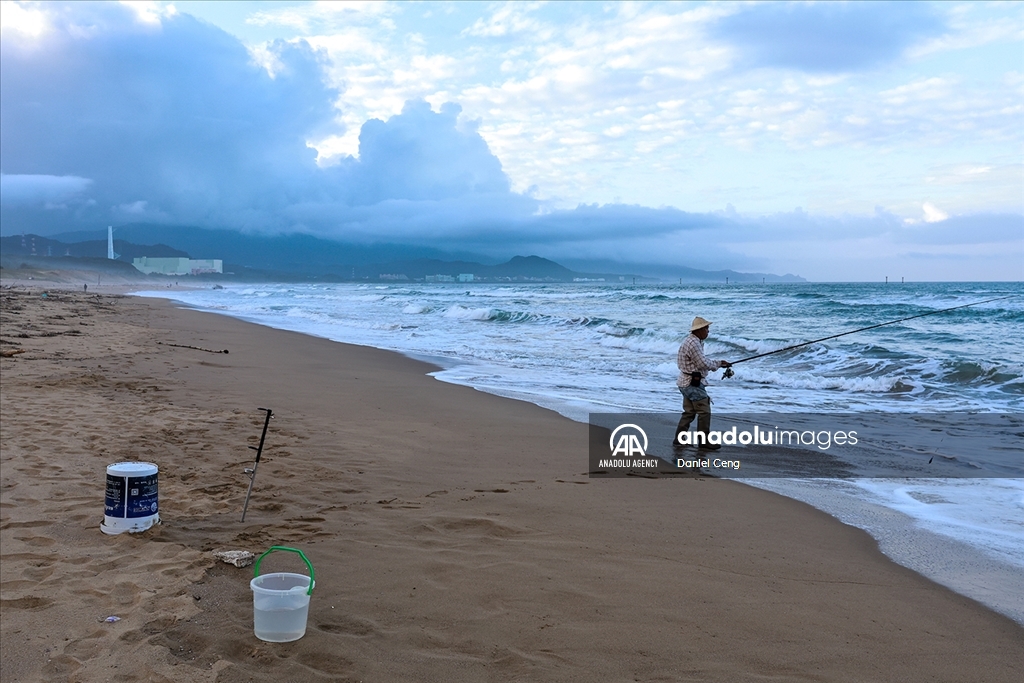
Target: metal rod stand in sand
x=729, y=373
x=251, y=471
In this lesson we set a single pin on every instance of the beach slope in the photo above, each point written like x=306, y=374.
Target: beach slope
x=455, y=534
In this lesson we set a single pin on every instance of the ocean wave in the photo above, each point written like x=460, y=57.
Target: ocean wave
x=586, y=321
x=969, y=372
x=641, y=344
x=540, y=333
x=459, y=312
x=1016, y=388
x=751, y=345
x=792, y=380
x=517, y=317
x=616, y=329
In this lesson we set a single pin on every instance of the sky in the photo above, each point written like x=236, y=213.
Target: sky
x=836, y=141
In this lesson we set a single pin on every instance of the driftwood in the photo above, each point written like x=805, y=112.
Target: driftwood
x=7, y=353
x=196, y=348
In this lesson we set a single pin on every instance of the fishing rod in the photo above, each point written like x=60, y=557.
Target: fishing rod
x=251, y=471
x=729, y=373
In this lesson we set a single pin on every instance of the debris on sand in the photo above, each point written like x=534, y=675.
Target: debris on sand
x=239, y=558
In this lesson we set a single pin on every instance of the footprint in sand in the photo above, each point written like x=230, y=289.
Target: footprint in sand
x=31, y=602
x=60, y=668
x=349, y=627
x=324, y=662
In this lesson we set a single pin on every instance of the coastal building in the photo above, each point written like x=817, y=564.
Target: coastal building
x=177, y=266
x=440, y=278
x=465, y=277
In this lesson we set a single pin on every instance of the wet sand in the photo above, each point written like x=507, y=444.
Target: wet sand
x=455, y=534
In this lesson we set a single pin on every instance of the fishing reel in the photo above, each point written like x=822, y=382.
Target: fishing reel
x=728, y=373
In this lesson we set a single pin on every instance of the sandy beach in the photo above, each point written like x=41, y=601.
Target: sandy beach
x=456, y=535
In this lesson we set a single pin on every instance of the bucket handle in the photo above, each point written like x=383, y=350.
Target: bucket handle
x=256, y=569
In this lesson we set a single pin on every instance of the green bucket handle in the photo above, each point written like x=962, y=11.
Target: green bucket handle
x=256, y=569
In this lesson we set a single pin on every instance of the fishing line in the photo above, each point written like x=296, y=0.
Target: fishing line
x=728, y=371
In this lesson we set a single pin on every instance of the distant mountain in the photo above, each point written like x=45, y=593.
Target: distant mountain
x=293, y=255
x=298, y=257
x=533, y=266
x=670, y=273
x=34, y=245
x=517, y=269
x=685, y=274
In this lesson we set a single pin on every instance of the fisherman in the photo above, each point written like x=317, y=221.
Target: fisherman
x=693, y=369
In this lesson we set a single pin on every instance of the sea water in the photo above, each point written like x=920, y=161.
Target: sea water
x=582, y=348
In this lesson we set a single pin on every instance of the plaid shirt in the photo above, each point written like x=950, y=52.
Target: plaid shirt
x=691, y=358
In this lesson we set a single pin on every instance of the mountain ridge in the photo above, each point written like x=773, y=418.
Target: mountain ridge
x=301, y=257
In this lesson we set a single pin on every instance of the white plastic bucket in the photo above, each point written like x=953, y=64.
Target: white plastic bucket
x=280, y=602
x=131, y=502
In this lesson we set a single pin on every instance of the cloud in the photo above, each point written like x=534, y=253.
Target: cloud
x=25, y=20
x=174, y=113
x=325, y=14
x=636, y=100
x=109, y=115
x=508, y=21
x=423, y=155
x=176, y=122
x=933, y=214
x=22, y=190
x=827, y=37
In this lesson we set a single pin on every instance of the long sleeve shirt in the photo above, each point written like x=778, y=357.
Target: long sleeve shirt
x=691, y=359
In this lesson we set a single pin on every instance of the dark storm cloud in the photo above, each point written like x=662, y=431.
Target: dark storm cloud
x=828, y=36
x=174, y=119
x=106, y=119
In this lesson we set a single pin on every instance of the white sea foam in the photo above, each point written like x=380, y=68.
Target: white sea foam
x=754, y=346
x=462, y=313
x=644, y=344
x=986, y=513
x=809, y=381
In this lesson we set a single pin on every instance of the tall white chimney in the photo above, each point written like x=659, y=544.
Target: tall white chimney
x=110, y=243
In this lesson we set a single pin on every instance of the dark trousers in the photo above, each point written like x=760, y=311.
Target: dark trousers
x=695, y=409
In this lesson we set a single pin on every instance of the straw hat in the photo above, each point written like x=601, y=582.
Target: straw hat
x=698, y=323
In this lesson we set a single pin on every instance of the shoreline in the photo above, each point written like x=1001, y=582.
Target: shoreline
x=899, y=536
x=453, y=532
x=949, y=562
